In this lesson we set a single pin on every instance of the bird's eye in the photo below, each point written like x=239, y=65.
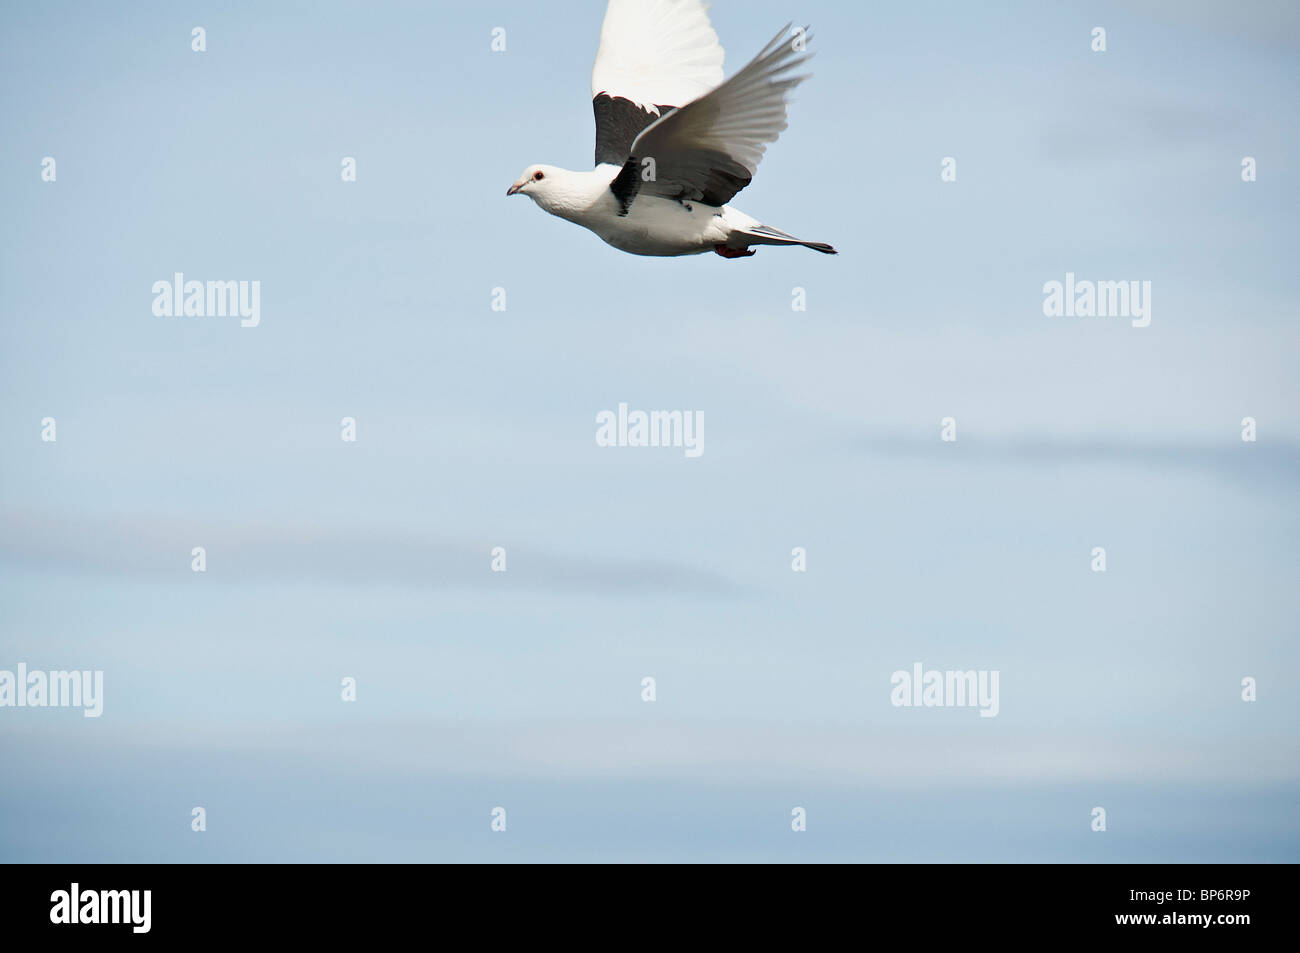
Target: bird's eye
x=538, y=176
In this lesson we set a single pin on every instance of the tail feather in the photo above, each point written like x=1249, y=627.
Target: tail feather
x=767, y=235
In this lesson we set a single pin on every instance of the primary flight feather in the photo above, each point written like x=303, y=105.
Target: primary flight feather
x=674, y=143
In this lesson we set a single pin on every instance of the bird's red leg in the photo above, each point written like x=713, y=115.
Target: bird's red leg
x=726, y=252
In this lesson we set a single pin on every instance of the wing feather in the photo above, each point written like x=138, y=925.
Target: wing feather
x=656, y=53
x=653, y=55
x=709, y=149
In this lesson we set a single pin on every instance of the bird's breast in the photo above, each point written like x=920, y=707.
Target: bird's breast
x=657, y=226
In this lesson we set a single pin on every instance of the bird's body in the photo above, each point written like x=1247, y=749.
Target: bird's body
x=673, y=142
x=652, y=225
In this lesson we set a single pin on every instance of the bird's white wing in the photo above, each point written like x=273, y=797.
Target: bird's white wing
x=656, y=53
x=709, y=149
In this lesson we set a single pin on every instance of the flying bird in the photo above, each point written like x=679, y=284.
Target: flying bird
x=674, y=143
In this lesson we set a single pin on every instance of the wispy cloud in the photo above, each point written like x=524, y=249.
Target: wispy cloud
x=1247, y=462
x=149, y=547
x=722, y=751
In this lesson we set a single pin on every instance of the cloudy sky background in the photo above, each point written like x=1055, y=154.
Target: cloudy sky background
x=476, y=429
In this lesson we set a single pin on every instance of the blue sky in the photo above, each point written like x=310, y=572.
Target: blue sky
x=475, y=429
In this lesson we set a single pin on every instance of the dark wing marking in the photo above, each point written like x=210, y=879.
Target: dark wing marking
x=717, y=191
x=708, y=149
x=618, y=122
x=626, y=185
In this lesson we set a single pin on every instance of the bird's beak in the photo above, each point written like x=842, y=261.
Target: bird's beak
x=516, y=187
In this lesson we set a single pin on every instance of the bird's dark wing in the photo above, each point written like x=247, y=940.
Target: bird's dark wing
x=618, y=122
x=653, y=55
x=709, y=149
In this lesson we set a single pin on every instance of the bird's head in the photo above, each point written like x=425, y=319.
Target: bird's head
x=536, y=182
x=562, y=192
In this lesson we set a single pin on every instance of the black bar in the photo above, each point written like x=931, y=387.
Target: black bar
x=376, y=901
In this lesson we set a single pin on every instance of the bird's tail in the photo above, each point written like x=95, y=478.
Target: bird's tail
x=767, y=235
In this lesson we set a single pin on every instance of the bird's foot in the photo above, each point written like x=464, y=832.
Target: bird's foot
x=727, y=252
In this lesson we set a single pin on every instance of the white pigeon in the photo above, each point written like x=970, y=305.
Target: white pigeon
x=674, y=142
